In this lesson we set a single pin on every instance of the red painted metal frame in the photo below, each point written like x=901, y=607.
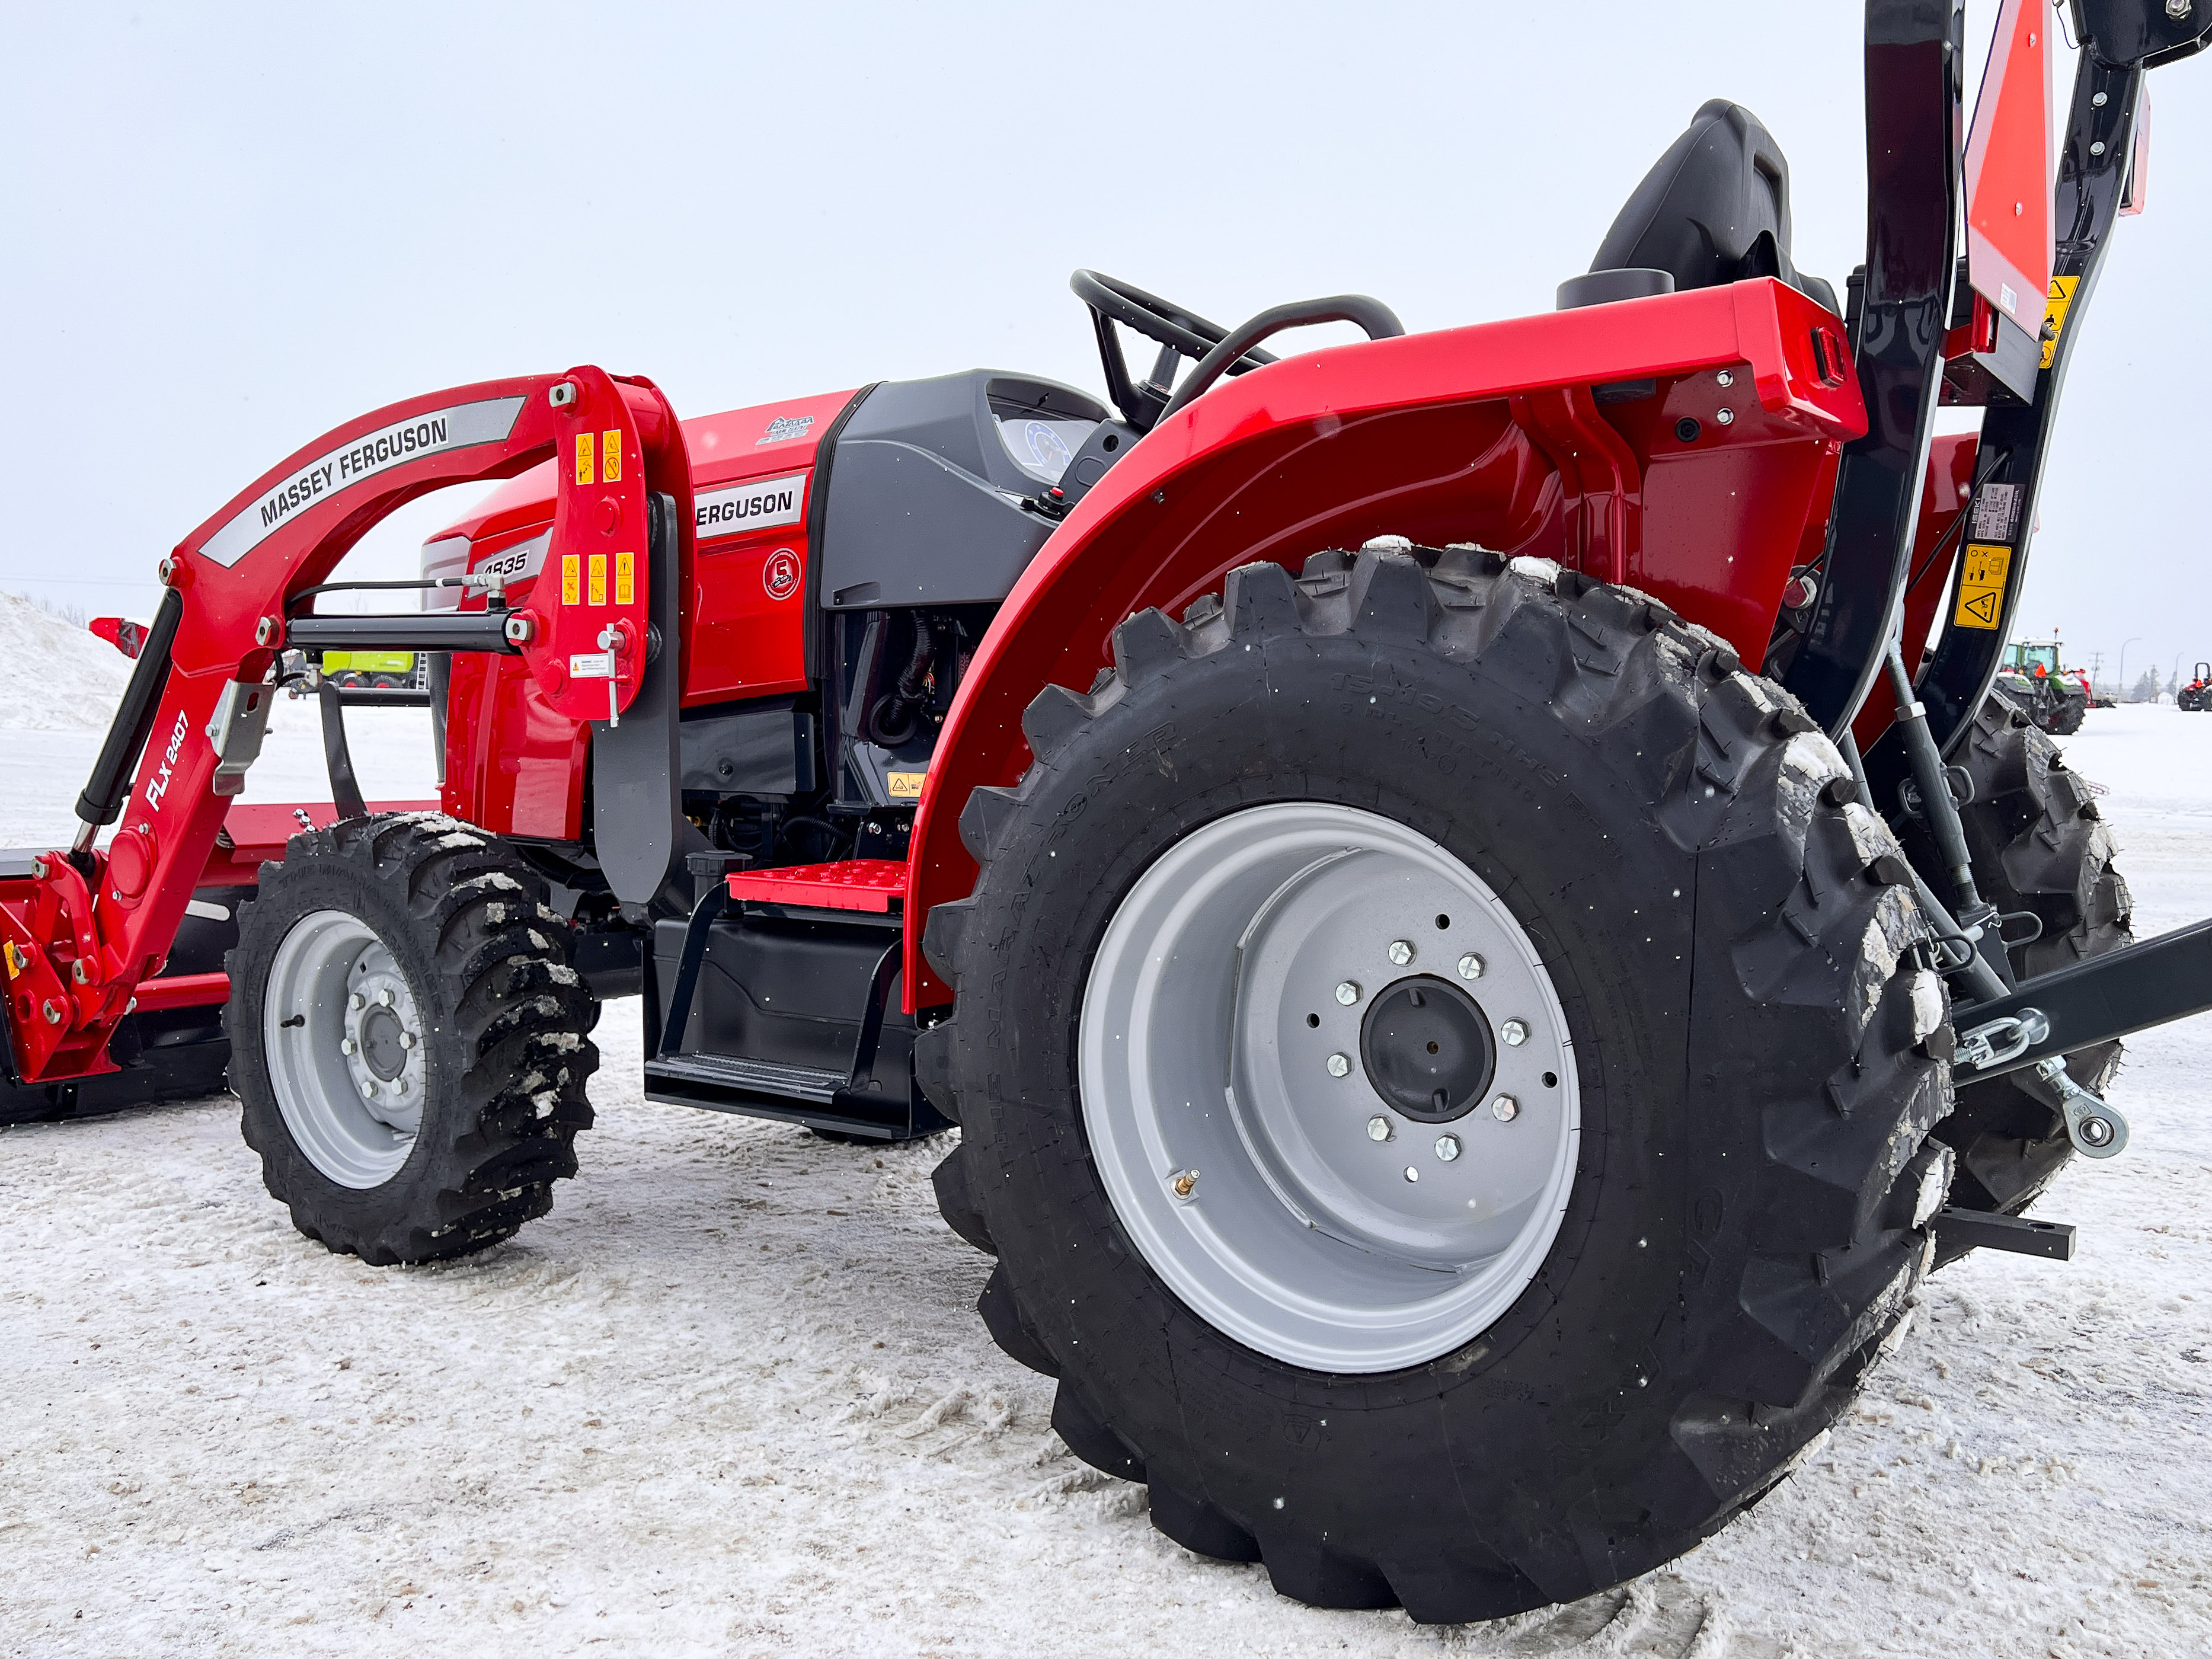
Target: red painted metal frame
x=513, y=766
x=86, y=942
x=1491, y=434
x=875, y=885
x=2008, y=167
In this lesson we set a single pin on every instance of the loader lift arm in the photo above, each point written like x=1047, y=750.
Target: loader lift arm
x=81, y=929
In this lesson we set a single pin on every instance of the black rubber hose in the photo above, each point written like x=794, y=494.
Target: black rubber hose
x=101, y=802
x=891, y=722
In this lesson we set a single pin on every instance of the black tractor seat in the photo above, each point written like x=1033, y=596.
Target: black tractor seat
x=1715, y=210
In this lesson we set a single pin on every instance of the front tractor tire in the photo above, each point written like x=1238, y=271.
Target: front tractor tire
x=408, y=1038
x=1442, y=1067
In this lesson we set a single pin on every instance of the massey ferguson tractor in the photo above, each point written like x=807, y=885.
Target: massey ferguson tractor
x=1473, y=981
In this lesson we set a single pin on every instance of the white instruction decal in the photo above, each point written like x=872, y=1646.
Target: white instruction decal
x=1995, y=508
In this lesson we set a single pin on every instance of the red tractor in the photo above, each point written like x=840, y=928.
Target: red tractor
x=2196, y=696
x=1473, y=983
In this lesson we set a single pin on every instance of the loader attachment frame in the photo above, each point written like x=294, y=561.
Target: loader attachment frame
x=81, y=929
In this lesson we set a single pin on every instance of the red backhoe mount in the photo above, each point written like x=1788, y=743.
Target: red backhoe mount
x=83, y=929
x=1384, y=951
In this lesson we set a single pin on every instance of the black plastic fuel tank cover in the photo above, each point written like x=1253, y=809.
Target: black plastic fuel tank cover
x=928, y=484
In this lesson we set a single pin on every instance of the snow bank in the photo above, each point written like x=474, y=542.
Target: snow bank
x=58, y=677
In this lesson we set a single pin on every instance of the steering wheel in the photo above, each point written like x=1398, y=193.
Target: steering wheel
x=1180, y=334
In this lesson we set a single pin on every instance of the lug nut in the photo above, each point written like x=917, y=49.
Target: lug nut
x=1505, y=1108
x=356, y=1002
x=1348, y=993
x=1401, y=951
x=1470, y=966
x=368, y=1091
x=348, y=1046
x=1513, y=1034
x=1339, y=1065
x=384, y=997
x=1378, y=1127
x=1447, y=1148
x=1183, y=1182
x=407, y=1039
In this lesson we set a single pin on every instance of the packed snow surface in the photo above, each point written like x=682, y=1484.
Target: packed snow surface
x=731, y=1397
x=60, y=677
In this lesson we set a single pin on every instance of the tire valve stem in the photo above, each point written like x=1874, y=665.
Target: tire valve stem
x=1182, y=1183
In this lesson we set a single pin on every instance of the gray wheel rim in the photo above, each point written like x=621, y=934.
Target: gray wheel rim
x=1249, y=1174
x=343, y=1039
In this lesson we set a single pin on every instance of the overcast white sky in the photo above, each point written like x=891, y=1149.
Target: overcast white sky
x=230, y=227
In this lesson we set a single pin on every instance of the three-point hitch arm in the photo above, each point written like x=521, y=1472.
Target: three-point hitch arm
x=81, y=929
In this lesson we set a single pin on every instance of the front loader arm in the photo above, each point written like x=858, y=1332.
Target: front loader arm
x=81, y=929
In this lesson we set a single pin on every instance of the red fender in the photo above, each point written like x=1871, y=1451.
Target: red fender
x=1491, y=434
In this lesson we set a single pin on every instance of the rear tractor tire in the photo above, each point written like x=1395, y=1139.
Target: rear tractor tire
x=1443, y=1065
x=408, y=1038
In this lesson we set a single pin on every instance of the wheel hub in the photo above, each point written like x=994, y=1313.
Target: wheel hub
x=344, y=1040
x=1427, y=1048
x=1290, y=1024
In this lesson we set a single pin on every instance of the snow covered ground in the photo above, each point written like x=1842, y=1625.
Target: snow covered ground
x=730, y=1397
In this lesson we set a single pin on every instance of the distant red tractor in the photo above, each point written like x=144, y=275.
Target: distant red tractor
x=1460, y=1059
x=2196, y=696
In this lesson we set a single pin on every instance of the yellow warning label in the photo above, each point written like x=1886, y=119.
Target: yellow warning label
x=598, y=579
x=625, y=579
x=571, y=567
x=2060, y=300
x=905, y=786
x=611, y=457
x=16, y=960
x=586, y=471
x=1982, y=586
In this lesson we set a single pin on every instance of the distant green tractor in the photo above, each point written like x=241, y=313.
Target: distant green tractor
x=2054, y=697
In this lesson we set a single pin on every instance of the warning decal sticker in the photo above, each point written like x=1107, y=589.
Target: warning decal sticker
x=572, y=567
x=2061, y=299
x=587, y=468
x=904, y=786
x=610, y=456
x=598, y=579
x=429, y=433
x=625, y=579
x=1982, y=586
